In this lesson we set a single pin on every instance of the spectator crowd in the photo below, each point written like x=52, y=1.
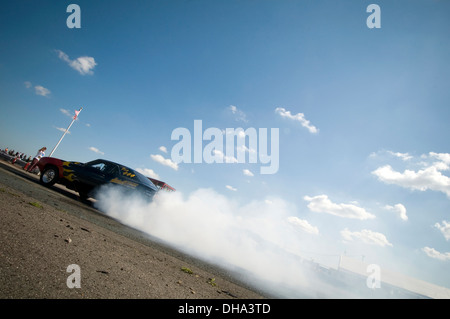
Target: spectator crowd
x=27, y=162
x=17, y=155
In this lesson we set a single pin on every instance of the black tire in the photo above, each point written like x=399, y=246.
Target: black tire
x=83, y=196
x=49, y=176
x=82, y=191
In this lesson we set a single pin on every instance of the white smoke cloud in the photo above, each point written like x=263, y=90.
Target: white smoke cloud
x=261, y=238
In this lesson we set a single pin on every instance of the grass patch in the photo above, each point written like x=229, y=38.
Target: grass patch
x=8, y=192
x=187, y=270
x=212, y=282
x=36, y=204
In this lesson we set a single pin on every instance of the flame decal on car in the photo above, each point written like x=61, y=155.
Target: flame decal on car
x=125, y=172
x=67, y=172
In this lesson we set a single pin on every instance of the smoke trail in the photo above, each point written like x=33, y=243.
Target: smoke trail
x=257, y=238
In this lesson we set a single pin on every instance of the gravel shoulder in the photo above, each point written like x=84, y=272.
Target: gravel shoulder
x=44, y=231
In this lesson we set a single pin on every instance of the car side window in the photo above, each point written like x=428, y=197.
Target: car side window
x=111, y=169
x=105, y=168
x=100, y=166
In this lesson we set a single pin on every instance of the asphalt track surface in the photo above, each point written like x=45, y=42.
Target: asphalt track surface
x=44, y=230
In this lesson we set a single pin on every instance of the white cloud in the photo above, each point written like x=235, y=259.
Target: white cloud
x=428, y=178
x=231, y=188
x=61, y=129
x=433, y=253
x=303, y=225
x=163, y=149
x=164, y=161
x=399, y=209
x=225, y=159
x=239, y=115
x=366, y=236
x=443, y=157
x=84, y=65
x=66, y=112
x=403, y=156
x=247, y=172
x=321, y=204
x=243, y=148
x=70, y=114
x=96, y=150
x=148, y=172
x=445, y=229
x=389, y=154
x=42, y=91
x=38, y=89
x=299, y=117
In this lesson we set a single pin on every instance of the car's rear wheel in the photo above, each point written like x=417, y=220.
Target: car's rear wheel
x=83, y=192
x=83, y=196
x=49, y=176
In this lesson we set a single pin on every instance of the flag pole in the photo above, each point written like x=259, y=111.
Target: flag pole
x=67, y=129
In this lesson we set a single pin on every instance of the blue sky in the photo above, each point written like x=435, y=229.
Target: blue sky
x=140, y=69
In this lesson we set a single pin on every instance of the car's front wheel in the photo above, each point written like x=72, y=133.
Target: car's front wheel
x=49, y=176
